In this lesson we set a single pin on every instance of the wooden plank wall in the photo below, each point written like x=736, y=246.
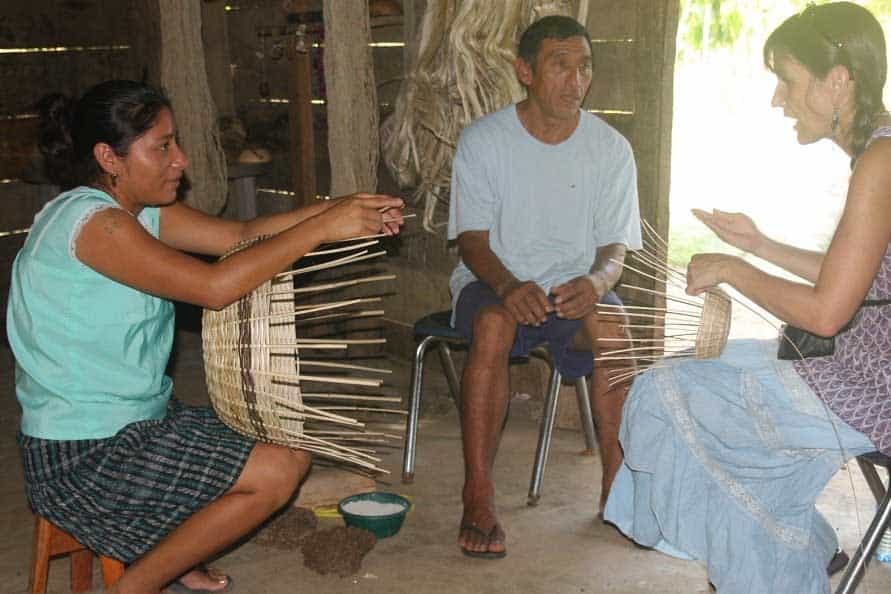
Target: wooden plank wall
x=69, y=45
x=258, y=31
x=47, y=46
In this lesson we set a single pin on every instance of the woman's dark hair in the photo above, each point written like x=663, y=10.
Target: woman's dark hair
x=115, y=112
x=838, y=33
x=549, y=27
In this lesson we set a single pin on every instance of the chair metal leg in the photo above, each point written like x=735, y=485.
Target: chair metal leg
x=872, y=479
x=414, y=409
x=448, y=366
x=584, y=400
x=544, y=436
x=867, y=548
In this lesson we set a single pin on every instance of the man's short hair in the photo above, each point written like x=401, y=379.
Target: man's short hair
x=549, y=27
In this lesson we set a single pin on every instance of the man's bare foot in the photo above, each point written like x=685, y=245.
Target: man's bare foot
x=482, y=540
x=480, y=534
x=611, y=464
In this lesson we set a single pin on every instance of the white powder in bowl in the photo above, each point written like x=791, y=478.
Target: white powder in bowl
x=372, y=508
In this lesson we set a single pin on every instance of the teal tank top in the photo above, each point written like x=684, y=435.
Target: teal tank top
x=90, y=352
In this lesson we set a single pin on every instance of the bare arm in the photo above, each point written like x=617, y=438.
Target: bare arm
x=802, y=263
x=113, y=243
x=847, y=270
x=739, y=231
x=525, y=300
x=580, y=296
x=190, y=230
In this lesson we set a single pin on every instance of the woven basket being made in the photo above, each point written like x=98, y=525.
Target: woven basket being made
x=256, y=380
x=714, y=324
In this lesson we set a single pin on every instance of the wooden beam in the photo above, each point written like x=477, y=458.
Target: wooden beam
x=214, y=33
x=302, y=6
x=302, y=135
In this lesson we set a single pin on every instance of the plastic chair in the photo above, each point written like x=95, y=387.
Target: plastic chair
x=867, y=548
x=435, y=330
x=51, y=541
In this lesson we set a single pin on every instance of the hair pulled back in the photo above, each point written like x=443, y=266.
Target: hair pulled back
x=838, y=33
x=115, y=112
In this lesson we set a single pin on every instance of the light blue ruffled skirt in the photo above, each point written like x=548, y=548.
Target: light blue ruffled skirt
x=724, y=460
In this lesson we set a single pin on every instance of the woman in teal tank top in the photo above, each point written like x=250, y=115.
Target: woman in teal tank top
x=107, y=455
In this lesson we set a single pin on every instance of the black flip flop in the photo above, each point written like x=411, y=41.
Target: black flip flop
x=837, y=563
x=488, y=535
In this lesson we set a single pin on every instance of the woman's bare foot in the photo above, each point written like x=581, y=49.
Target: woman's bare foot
x=205, y=579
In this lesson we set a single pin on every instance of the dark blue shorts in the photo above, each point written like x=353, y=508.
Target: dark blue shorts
x=556, y=332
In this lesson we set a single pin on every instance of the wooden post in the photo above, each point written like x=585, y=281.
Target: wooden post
x=657, y=25
x=214, y=33
x=353, y=131
x=184, y=75
x=303, y=152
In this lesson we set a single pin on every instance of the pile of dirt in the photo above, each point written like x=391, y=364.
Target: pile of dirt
x=337, y=550
x=287, y=530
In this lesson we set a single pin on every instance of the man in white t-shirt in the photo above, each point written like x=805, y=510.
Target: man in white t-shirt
x=543, y=207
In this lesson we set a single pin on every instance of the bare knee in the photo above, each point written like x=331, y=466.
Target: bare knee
x=273, y=472
x=494, y=329
x=606, y=332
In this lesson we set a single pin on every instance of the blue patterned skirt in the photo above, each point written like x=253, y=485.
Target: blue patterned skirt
x=121, y=495
x=724, y=461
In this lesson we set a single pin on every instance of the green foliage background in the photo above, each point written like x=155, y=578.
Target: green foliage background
x=731, y=21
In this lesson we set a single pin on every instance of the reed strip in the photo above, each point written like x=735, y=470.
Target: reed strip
x=347, y=341
x=346, y=248
x=368, y=313
x=351, y=259
x=302, y=408
x=353, y=433
x=394, y=411
x=663, y=339
x=650, y=230
x=663, y=294
x=654, y=262
x=324, y=442
x=335, y=285
x=332, y=364
x=350, y=397
x=304, y=377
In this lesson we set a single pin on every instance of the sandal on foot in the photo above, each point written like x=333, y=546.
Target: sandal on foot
x=490, y=536
x=178, y=587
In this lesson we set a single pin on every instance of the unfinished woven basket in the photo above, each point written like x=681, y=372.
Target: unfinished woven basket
x=686, y=326
x=256, y=380
x=714, y=326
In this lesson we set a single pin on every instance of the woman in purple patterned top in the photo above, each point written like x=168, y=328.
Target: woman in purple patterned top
x=724, y=459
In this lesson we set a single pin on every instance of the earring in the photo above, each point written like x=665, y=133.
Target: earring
x=114, y=179
x=833, y=126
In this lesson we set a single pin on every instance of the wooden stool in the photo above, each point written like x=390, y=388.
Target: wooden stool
x=50, y=541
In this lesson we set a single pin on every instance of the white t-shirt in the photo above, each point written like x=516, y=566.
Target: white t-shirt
x=547, y=207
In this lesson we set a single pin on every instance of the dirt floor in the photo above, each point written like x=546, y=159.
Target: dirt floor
x=555, y=547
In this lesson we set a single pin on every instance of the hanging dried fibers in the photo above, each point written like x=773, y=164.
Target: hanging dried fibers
x=463, y=70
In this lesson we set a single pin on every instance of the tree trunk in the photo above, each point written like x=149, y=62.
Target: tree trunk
x=184, y=75
x=353, y=135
